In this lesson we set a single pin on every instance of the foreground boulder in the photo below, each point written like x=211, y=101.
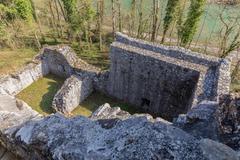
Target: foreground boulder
x=120, y=136
x=59, y=138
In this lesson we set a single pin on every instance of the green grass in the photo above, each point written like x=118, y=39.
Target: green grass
x=40, y=94
x=97, y=99
x=12, y=60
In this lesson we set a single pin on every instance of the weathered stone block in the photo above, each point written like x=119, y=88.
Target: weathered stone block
x=74, y=90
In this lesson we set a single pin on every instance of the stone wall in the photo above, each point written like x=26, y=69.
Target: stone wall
x=163, y=80
x=74, y=90
x=13, y=84
x=61, y=60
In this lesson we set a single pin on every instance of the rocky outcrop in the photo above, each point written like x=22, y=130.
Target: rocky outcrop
x=74, y=91
x=217, y=151
x=13, y=114
x=109, y=134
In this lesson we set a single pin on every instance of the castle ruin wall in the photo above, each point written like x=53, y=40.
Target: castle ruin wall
x=163, y=80
x=15, y=83
x=74, y=91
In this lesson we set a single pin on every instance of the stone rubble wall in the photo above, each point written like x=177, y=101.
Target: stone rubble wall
x=218, y=70
x=13, y=84
x=142, y=72
x=61, y=60
x=74, y=91
x=170, y=51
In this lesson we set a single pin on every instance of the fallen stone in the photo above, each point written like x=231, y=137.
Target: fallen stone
x=201, y=121
x=217, y=151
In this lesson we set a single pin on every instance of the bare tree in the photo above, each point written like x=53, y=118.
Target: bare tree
x=231, y=27
x=140, y=20
x=133, y=17
x=156, y=10
x=100, y=13
x=119, y=15
x=113, y=18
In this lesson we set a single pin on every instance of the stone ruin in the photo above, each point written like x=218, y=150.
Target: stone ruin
x=164, y=81
x=178, y=85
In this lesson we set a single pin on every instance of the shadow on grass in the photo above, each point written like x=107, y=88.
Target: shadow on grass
x=46, y=102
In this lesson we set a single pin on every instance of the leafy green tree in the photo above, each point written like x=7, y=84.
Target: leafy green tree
x=78, y=14
x=171, y=9
x=190, y=25
x=24, y=9
x=180, y=17
x=70, y=7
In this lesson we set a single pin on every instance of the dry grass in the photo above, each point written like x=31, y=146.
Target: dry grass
x=12, y=60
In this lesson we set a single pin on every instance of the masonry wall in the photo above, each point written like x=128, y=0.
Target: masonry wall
x=74, y=91
x=158, y=87
x=13, y=84
x=162, y=80
x=61, y=60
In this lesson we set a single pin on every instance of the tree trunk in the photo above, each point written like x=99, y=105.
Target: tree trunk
x=100, y=12
x=59, y=19
x=62, y=10
x=155, y=19
x=53, y=18
x=140, y=21
x=119, y=15
x=133, y=16
x=113, y=19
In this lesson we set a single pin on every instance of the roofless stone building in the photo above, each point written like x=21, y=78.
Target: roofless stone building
x=163, y=81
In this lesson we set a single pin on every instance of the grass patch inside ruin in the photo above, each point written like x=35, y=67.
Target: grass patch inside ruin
x=97, y=99
x=40, y=94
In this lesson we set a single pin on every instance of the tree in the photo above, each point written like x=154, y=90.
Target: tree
x=169, y=17
x=156, y=10
x=140, y=19
x=24, y=9
x=133, y=17
x=113, y=18
x=190, y=25
x=70, y=7
x=230, y=29
x=179, y=13
x=78, y=14
x=100, y=14
x=119, y=15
